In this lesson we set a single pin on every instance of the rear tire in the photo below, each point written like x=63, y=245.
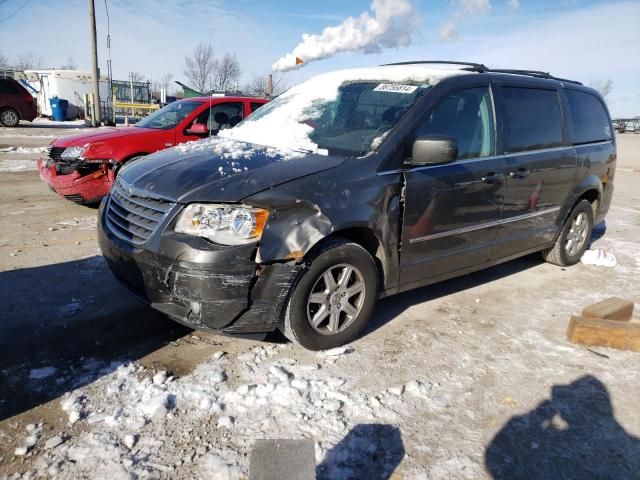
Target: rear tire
x=574, y=236
x=9, y=117
x=321, y=313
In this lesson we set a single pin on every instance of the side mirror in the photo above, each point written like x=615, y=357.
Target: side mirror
x=199, y=129
x=431, y=149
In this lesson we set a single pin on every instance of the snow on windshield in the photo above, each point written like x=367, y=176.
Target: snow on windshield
x=290, y=120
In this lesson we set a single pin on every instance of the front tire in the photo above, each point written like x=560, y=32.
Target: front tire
x=574, y=236
x=9, y=117
x=332, y=301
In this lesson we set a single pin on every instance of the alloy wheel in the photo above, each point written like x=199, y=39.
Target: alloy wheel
x=577, y=235
x=336, y=299
x=9, y=117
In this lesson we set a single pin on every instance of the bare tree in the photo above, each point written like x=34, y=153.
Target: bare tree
x=28, y=61
x=4, y=61
x=137, y=77
x=165, y=82
x=69, y=64
x=259, y=85
x=199, y=67
x=604, y=87
x=226, y=72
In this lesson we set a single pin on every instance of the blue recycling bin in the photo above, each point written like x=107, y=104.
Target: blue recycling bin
x=59, y=108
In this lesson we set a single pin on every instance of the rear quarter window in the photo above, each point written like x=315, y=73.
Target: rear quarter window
x=255, y=106
x=532, y=119
x=589, y=119
x=8, y=86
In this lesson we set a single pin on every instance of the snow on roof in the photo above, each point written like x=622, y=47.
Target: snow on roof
x=280, y=125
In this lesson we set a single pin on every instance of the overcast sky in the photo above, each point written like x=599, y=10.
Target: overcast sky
x=580, y=39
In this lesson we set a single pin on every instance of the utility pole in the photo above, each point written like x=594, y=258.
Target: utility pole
x=270, y=85
x=95, y=114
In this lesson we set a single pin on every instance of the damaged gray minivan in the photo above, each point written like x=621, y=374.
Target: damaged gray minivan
x=356, y=185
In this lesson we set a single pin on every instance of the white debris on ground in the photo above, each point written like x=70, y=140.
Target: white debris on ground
x=599, y=257
x=16, y=165
x=131, y=415
x=43, y=121
x=25, y=150
x=82, y=223
x=34, y=431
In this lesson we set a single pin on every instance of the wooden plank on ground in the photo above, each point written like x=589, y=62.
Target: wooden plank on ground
x=604, y=333
x=612, y=309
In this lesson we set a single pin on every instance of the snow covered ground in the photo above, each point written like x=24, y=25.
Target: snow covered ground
x=470, y=378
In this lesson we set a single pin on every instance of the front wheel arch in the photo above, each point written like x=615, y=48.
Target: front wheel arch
x=293, y=322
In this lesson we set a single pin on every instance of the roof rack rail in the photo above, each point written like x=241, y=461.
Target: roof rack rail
x=529, y=73
x=443, y=62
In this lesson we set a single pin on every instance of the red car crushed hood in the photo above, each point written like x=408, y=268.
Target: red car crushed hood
x=82, y=167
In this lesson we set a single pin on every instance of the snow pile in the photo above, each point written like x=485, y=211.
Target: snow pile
x=142, y=423
x=34, y=432
x=25, y=150
x=390, y=26
x=284, y=122
x=11, y=165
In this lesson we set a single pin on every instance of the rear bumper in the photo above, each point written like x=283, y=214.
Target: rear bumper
x=604, y=204
x=199, y=284
x=79, y=188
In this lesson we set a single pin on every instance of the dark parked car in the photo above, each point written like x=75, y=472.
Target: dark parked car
x=16, y=103
x=357, y=185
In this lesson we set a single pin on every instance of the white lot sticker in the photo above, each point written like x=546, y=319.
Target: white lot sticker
x=395, y=88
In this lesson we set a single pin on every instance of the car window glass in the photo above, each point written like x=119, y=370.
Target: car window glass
x=588, y=117
x=7, y=86
x=170, y=116
x=223, y=115
x=467, y=117
x=532, y=119
x=255, y=106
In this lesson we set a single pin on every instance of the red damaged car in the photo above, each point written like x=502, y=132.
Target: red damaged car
x=82, y=168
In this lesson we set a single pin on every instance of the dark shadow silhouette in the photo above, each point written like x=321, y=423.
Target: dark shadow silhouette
x=572, y=436
x=389, y=308
x=369, y=451
x=72, y=317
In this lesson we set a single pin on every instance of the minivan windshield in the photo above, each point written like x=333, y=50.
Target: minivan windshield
x=343, y=116
x=170, y=116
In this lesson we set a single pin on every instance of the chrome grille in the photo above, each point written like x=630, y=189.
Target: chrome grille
x=133, y=215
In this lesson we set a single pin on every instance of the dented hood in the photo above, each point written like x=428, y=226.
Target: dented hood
x=101, y=135
x=223, y=171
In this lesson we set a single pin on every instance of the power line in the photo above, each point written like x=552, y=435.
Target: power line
x=11, y=15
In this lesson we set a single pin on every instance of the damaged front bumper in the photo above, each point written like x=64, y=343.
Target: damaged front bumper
x=75, y=186
x=201, y=284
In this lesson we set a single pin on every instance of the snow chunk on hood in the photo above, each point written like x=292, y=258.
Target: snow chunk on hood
x=231, y=149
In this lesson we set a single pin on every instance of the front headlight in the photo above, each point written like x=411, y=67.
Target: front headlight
x=73, y=152
x=224, y=224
